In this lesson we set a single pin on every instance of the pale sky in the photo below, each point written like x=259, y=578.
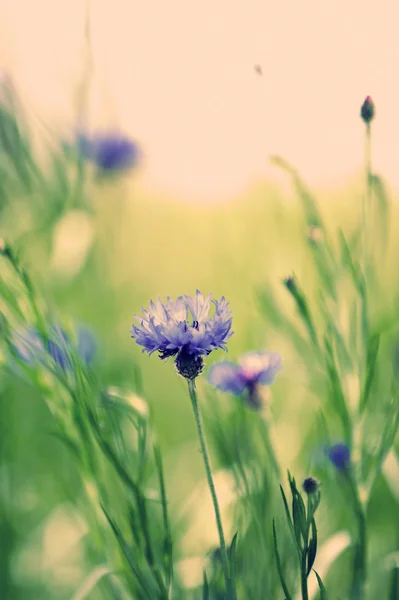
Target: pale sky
x=179, y=76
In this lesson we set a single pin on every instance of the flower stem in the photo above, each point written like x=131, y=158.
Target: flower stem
x=304, y=577
x=269, y=446
x=304, y=552
x=368, y=205
x=360, y=557
x=359, y=564
x=201, y=434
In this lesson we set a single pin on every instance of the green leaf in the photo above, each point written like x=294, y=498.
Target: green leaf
x=323, y=591
x=167, y=541
x=303, y=310
x=298, y=513
x=334, y=333
x=309, y=204
x=382, y=212
x=288, y=515
x=205, y=588
x=90, y=582
x=394, y=585
x=232, y=559
x=130, y=558
x=371, y=363
x=278, y=563
x=391, y=426
x=68, y=442
x=270, y=308
x=337, y=395
x=312, y=547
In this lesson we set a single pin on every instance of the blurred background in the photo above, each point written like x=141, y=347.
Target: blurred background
x=208, y=92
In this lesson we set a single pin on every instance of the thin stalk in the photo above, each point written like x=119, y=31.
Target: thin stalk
x=304, y=577
x=359, y=563
x=304, y=553
x=368, y=215
x=269, y=447
x=360, y=557
x=201, y=434
x=168, y=541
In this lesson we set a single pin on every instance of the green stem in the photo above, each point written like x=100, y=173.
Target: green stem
x=304, y=553
x=269, y=447
x=168, y=541
x=359, y=563
x=304, y=577
x=368, y=207
x=201, y=434
x=360, y=557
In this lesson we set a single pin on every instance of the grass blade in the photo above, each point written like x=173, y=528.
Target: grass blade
x=323, y=591
x=279, y=567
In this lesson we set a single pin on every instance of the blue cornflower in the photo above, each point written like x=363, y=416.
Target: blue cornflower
x=339, y=456
x=109, y=152
x=253, y=370
x=31, y=348
x=184, y=328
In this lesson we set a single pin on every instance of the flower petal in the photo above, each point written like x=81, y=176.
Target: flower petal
x=225, y=376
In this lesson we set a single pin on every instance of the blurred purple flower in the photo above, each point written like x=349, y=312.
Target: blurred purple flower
x=109, y=152
x=31, y=348
x=339, y=456
x=254, y=369
x=184, y=328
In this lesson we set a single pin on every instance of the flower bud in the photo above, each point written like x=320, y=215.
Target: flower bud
x=367, y=111
x=290, y=283
x=310, y=485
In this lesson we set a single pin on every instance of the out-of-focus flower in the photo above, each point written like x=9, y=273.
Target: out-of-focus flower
x=30, y=346
x=310, y=485
x=367, y=111
x=109, y=152
x=184, y=328
x=253, y=370
x=339, y=456
x=315, y=235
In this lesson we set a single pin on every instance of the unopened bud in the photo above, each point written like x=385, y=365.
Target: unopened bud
x=290, y=283
x=367, y=111
x=310, y=485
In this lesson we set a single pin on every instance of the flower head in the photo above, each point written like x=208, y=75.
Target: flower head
x=184, y=328
x=109, y=152
x=310, y=485
x=339, y=456
x=367, y=111
x=30, y=346
x=253, y=370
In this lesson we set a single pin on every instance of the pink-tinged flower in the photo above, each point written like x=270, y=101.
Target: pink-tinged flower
x=252, y=371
